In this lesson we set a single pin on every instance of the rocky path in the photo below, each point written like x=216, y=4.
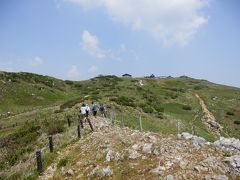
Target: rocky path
x=48, y=174
x=209, y=120
x=112, y=152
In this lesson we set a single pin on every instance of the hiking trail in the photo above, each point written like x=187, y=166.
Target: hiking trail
x=209, y=120
x=112, y=152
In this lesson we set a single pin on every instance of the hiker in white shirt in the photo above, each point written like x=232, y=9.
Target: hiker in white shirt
x=84, y=116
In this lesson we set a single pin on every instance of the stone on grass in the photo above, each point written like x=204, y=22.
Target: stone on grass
x=133, y=154
x=106, y=171
x=147, y=148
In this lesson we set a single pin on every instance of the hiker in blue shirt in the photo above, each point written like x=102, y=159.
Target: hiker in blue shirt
x=94, y=109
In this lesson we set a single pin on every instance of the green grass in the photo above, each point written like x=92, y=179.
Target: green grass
x=47, y=102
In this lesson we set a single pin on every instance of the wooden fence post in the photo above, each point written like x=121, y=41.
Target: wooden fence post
x=78, y=131
x=140, y=121
x=90, y=124
x=50, y=143
x=69, y=122
x=39, y=162
x=112, y=117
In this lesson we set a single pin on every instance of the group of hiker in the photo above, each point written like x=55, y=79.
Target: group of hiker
x=85, y=111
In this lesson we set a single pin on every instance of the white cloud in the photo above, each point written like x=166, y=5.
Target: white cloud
x=37, y=61
x=171, y=21
x=90, y=44
x=73, y=73
x=92, y=69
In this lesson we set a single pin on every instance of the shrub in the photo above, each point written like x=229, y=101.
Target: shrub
x=69, y=82
x=160, y=116
x=147, y=109
x=230, y=113
x=70, y=104
x=12, y=157
x=53, y=126
x=182, y=90
x=125, y=101
x=63, y=162
x=113, y=99
x=199, y=87
x=174, y=96
x=187, y=107
x=158, y=108
x=237, y=122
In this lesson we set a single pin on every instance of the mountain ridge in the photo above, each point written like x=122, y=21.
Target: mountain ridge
x=33, y=107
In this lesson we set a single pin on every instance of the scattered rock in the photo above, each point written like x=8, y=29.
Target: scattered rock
x=156, y=152
x=153, y=139
x=70, y=173
x=200, y=168
x=169, y=177
x=102, y=125
x=109, y=155
x=186, y=135
x=106, y=172
x=169, y=164
x=218, y=177
x=195, y=140
x=144, y=157
x=198, y=141
x=118, y=157
x=62, y=171
x=147, y=148
x=133, y=154
x=158, y=170
x=228, y=144
x=183, y=164
x=234, y=162
x=79, y=163
x=136, y=147
x=94, y=171
x=221, y=177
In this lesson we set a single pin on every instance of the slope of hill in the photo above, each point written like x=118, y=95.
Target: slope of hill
x=121, y=153
x=39, y=106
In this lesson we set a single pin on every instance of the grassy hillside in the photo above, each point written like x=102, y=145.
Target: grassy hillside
x=159, y=100
x=39, y=106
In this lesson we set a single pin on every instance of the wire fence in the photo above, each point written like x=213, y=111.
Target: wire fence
x=167, y=125
x=134, y=120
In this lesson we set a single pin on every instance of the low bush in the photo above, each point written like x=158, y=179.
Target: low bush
x=147, y=109
x=199, y=87
x=70, y=104
x=237, y=122
x=158, y=108
x=125, y=101
x=62, y=163
x=53, y=126
x=230, y=113
x=187, y=108
x=69, y=82
x=18, y=143
x=174, y=96
x=160, y=116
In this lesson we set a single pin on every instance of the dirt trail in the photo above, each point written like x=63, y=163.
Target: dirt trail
x=112, y=152
x=48, y=174
x=209, y=119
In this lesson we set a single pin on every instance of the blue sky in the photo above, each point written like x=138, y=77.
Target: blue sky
x=80, y=39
